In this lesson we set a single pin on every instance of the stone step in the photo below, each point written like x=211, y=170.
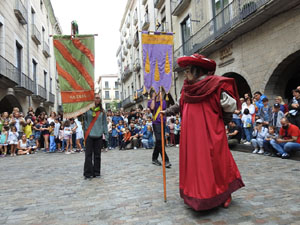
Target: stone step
x=249, y=149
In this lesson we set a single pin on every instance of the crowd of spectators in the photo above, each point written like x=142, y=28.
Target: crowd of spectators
x=272, y=130
x=26, y=134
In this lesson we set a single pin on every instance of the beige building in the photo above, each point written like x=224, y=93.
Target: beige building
x=108, y=86
x=27, y=64
x=139, y=15
x=256, y=42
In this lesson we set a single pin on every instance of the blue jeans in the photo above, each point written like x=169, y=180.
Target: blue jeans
x=63, y=144
x=248, y=133
x=114, y=142
x=52, y=144
x=291, y=146
x=279, y=147
x=257, y=143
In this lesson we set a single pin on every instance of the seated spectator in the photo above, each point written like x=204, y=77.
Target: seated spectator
x=126, y=139
x=31, y=144
x=247, y=125
x=277, y=115
x=288, y=139
x=22, y=146
x=147, y=138
x=271, y=135
x=234, y=134
x=294, y=108
x=283, y=105
x=116, y=118
x=258, y=135
x=265, y=112
x=134, y=136
x=258, y=97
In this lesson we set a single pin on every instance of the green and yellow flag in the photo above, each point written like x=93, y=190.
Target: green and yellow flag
x=75, y=68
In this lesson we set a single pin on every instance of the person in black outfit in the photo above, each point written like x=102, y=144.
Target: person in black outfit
x=234, y=134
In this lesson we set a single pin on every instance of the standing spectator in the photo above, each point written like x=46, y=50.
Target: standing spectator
x=73, y=128
x=294, y=108
x=79, y=135
x=52, y=117
x=28, y=128
x=258, y=135
x=3, y=140
x=288, y=139
x=37, y=132
x=277, y=115
x=30, y=115
x=283, y=106
x=116, y=118
x=265, y=112
x=172, y=132
x=132, y=116
x=45, y=133
x=96, y=127
x=68, y=136
x=13, y=140
x=109, y=129
x=56, y=133
x=177, y=132
x=119, y=129
x=249, y=105
x=114, y=138
x=247, y=125
x=17, y=121
x=52, y=137
x=258, y=96
x=61, y=137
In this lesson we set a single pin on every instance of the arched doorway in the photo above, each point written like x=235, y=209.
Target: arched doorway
x=8, y=103
x=285, y=78
x=39, y=110
x=241, y=83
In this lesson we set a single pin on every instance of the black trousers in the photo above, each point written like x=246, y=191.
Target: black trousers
x=158, y=148
x=92, y=164
x=295, y=120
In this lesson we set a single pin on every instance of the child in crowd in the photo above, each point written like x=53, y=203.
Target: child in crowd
x=172, y=132
x=126, y=139
x=177, y=131
x=119, y=129
x=56, y=133
x=271, y=135
x=52, y=137
x=37, y=132
x=68, y=136
x=31, y=144
x=149, y=122
x=28, y=128
x=147, y=138
x=22, y=146
x=12, y=140
x=3, y=140
x=79, y=135
x=265, y=112
x=258, y=135
x=61, y=137
x=277, y=115
x=114, y=138
x=247, y=125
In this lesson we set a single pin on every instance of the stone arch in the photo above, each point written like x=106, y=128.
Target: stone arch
x=283, y=76
x=8, y=103
x=241, y=83
x=39, y=110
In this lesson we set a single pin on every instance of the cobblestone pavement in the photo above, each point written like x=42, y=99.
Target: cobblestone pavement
x=50, y=189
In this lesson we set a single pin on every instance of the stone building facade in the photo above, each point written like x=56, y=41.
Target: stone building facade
x=27, y=64
x=255, y=42
x=109, y=90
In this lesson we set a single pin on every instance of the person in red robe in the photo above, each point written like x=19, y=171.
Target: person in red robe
x=208, y=173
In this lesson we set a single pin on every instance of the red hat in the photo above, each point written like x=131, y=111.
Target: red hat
x=197, y=60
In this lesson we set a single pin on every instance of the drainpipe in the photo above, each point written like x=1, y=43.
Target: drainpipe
x=28, y=56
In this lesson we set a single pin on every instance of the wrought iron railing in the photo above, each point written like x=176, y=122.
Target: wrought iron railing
x=25, y=82
x=8, y=70
x=20, y=12
x=36, y=34
x=46, y=49
x=51, y=97
x=42, y=92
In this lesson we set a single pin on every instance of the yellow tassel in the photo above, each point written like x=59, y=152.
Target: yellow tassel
x=167, y=97
x=149, y=96
x=144, y=91
x=136, y=95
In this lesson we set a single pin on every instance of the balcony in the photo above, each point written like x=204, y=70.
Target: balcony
x=126, y=73
x=146, y=22
x=25, y=85
x=125, y=51
x=137, y=65
x=51, y=99
x=46, y=50
x=135, y=18
x=9, y=75
x=144, y=2
x=40, y=93
x=139, y=95
x=127, y=102
x=36, y=35
x=124, y=32
x=178, y=6
x=128, y=43
x=136, y=40
x=122, y=40
x=236, y=19
x=20, y=12
x=158, y=3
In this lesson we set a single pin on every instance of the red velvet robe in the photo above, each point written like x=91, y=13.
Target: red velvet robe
x=208, y=173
